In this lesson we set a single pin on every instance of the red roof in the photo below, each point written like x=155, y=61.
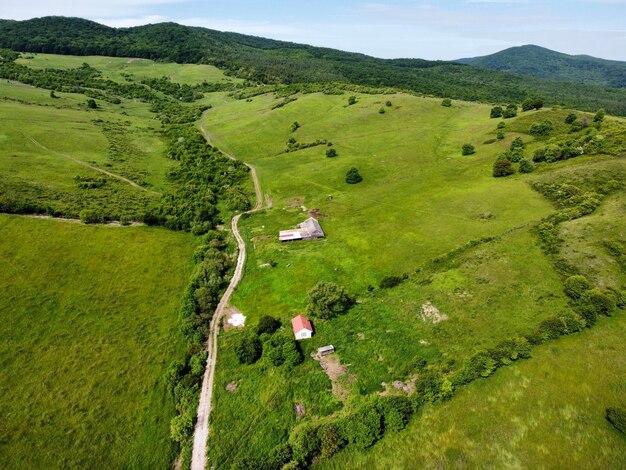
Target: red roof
x=301, y=323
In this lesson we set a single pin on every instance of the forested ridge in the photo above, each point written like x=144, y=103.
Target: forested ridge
x=270, y=61
x=536, y=61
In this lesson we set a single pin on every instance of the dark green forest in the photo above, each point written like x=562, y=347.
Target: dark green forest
x=535, y=61
x=273, y=62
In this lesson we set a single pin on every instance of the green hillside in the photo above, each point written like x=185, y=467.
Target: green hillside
x=270, y=61
x=535, y=61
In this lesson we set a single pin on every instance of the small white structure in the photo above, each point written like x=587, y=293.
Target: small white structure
x=302, y=328
x=310, y=229
x=237, y=320
x=325, y=350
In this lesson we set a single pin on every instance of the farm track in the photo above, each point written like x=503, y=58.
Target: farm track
x=201, y=431
x=85, y=164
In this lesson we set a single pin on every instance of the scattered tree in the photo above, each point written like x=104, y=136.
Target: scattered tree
x=327, y=300
x=525, y=166
x=267, y=324
x=330, y=153
x=468, y=149
x=599, y=116
x=496, y=112
x=353, y=176
x=517, y=143
x=532, y=103
x=249, y=349
x=91, y=104
x=503, y=167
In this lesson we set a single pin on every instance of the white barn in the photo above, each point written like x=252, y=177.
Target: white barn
x=310, y=229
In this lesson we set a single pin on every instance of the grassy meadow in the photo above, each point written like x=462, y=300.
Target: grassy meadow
x=419, y=199
x=119, y=69
x=89, y=326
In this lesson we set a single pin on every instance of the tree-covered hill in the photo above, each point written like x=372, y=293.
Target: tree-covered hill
x=535, y=61
x=271, y=61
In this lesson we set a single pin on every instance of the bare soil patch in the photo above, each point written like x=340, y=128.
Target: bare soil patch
x=337, y=373
x=431, y=314
x=231, y=387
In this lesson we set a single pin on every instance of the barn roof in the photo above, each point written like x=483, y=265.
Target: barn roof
x=301, y=323
x=313, y=227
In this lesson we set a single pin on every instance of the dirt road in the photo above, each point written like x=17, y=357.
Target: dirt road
x=201, y=431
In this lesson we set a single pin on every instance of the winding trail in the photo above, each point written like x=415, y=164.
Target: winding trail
x=85, y=164
x=201, y=431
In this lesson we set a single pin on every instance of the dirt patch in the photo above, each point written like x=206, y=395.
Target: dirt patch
x=300, y=411
x=231, y=387
x=397, y=386
x=317, y=214
x=130, y=61
x=337, y=373
x=361, y=336
x=233, y=319
x=431, y=314
x=295, y=202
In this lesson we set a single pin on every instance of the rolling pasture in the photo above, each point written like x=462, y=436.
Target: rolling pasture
x=89, y=326
x=420, y=200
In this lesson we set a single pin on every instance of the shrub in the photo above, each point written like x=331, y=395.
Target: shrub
x=279, y=456
x=598, y=301
x=91, y=216
x=351, y=100
x=390, y=281
x=525, y=166
x=501, y=125
x=331, y=440
x=617, y=417
x=388, y=104
x=571, y=117
x=599, y=116
x=510, y=111
x=427, y=388
x=468, y=149
x=539, y=155
x=447, y=102
x=541, y=128
x=353, y=176
x=295, y=126
x=396, y=412
x=381, y=110
x=517, y=143
x=249, y=349
x=267, y=324
x=496, y=112
x=503, y=167
x=516, y=155
x=532, y=103
x=305, y=442
x=91, y=104
x=500, y=135
x=575, y=286
x=327, y=300
x=330, y=153
x=181, y=427
x=364, y=427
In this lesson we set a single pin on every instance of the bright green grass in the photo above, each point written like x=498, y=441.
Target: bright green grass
x=89, y=324
x=113, y=67
x=419, y=200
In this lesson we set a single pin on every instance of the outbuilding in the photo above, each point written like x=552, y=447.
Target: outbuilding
x=325, y=350
x=310, y=229
x=302, y=328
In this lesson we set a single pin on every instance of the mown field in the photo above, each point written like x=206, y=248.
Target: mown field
x=419, y=200
x=89, y=325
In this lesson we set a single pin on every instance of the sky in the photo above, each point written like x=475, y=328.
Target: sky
x=402, y=28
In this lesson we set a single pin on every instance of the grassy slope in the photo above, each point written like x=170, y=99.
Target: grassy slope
x=89, y=325
x=547, y=412
x=113, y=68
x=419, y=199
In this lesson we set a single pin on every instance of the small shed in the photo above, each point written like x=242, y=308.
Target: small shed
x=325, y=350
x=302, y=328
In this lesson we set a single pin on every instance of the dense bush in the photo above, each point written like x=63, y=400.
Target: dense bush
x=305, y=442
x=596, y=301
x=396, y=412
x=510, y=111
x=330, y=153
x=617, y=417
x=541, y=128
x=353, y=176
x=351, y=100
x=364, y=427
x=331, y=439
x=468, y=149
x=500, y=135
x=267, y=324
x=532, y=103
x=503, y=167
x=575, y=286
x=92, y=216
x=525, y=166
x=249, y=348
x=447, y=102
x=327, y=300
x=281, y=349
x=496, y=112
x=599, y=116
x=295, y=126
x=571, y=117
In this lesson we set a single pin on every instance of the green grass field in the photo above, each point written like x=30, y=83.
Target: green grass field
x=89, y=326
x=419, y=199
x=118, y=68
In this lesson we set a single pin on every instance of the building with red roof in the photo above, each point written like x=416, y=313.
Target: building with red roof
x=302, y=328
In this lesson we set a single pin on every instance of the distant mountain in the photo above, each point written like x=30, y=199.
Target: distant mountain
x=271, y=61
x=535, y=61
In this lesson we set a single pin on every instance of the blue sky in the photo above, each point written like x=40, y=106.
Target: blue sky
x=400, y=28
